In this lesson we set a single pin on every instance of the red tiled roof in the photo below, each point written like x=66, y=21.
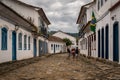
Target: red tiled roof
x=55, y=39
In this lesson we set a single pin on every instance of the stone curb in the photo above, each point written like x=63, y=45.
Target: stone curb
x=105, y=61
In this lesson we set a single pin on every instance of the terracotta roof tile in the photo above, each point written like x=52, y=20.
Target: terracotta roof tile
x=55, y=39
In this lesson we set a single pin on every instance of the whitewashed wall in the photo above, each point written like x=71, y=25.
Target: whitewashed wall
x=25, y=11
x=57, y=50
x=89, y=17
x=106, y=6
x=115, y=12
x=6, y=55
x=102, y=24
x=83, y=51
x=63, y=35
x=108, y=20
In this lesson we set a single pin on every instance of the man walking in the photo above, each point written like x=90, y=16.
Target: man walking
x=76, y=53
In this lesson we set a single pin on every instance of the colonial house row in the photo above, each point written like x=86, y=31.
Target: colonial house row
x=23, y=31
x=63, y=35
x=107, y=33
x=87, y=38
x=56, y=45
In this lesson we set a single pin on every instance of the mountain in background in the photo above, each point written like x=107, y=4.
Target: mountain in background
x=72, y=34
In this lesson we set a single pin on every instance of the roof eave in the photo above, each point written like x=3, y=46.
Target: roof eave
x=43, y=15
x=114, y=6
x=80, y=13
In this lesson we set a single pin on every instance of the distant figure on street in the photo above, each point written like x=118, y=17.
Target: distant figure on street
x=73, y=53
x=76, y=53
x=68, y=50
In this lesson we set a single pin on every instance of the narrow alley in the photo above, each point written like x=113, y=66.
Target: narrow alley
x=58, y=67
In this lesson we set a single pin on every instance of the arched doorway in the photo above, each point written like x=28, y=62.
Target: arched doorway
x=99, y=43
x=102, y=48
x=35, y=47
x=107, y=42
x=116, y=42
x=14, y=52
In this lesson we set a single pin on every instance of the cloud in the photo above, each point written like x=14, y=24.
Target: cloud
x=62, y=14
x=56, y=6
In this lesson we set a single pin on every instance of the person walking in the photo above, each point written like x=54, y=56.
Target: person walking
x=76, y=53
x=73, y=53
x=68, y=50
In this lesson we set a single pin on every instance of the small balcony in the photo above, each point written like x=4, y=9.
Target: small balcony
x=44, y=32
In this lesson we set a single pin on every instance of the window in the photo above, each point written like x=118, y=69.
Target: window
x=101, y=2
x=25, y=42
x=4, y=39
x=56, y=47
x=51, y=46
x=98, y=5
x=20, y=41
x=29, y=43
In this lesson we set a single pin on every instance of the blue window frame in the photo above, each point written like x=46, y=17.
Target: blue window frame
x=29, y=43
x=20, y=41
x=4, y=39
x=25, y=42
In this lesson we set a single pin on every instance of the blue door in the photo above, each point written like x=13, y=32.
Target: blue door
x=13, y=45
x=107, y=42
x=99, y=43
x=115, y=42
x=102, y=43
x=35, y=48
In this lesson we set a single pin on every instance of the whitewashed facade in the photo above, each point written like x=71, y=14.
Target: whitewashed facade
x=20, y=28
x=107, y=30
x=56, y=45
x=63, y=35
x=87, y=40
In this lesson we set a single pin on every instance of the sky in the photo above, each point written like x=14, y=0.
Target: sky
x=62, y=14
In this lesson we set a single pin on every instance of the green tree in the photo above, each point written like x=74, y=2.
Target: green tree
x=67, y=41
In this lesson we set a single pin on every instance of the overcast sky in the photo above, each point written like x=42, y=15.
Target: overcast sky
x=62, y=14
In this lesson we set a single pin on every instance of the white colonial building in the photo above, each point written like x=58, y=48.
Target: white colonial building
x=23, y=31
x=56, y=45
x=107, y=13
x=63, y=35
x=87, y=38
x=107, y=30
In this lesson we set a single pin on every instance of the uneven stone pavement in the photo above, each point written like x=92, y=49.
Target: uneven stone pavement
x=57, y=67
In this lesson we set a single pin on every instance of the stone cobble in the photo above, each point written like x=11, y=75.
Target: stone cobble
x=58, y=67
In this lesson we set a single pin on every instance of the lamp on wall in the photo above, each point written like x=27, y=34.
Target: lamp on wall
x=16, y=27
x=113, y=17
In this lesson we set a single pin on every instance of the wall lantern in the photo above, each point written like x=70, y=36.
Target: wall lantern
x=16, y=27
x=113, y=17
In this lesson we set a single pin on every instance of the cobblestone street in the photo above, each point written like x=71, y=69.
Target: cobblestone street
x=57, y=67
